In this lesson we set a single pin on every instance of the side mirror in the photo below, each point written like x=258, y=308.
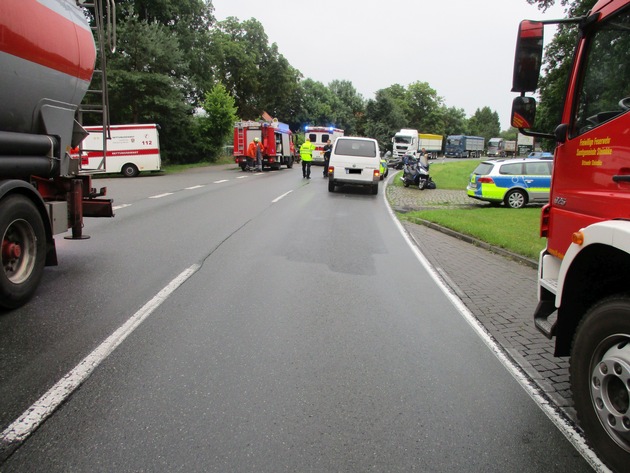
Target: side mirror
x=528, y=56
x=523, y=112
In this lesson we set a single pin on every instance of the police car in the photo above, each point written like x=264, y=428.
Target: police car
x=514, y=182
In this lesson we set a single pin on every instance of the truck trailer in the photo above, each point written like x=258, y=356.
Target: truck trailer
x=47, y=58
x=432, y=144
x=584, y=270
x=462, y=146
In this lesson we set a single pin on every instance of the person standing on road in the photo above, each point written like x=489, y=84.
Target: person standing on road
x=254, y=154
x=327, y=151
x=306, y=153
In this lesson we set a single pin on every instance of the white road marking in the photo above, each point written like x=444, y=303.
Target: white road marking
x=26, y=424
x=221, y=181
x=159, y=196
x=242, y=177
x=121, y=206
x=280, y=197
x=194, y=187
x=566, y=428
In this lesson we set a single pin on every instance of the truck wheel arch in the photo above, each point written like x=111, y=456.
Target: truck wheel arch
x=607, y=265
x=21, y=187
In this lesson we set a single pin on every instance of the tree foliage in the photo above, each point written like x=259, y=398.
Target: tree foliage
x=175, y=59
x=216, y=124
x=484, y=123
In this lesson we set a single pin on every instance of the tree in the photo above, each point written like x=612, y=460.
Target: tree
x=485, y=123
x=385, y=116
x=455, y=122
x=423, y=107
x=350, y=108
x=217, y=123
x=143, y=87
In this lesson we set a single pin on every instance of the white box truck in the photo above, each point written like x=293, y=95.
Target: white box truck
x=131, y=149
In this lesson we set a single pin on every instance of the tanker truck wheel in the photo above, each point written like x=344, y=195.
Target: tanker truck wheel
x=23, y=250
x=600, y=379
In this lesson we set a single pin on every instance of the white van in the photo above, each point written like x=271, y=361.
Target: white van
x=131, y=149
x=355, y=161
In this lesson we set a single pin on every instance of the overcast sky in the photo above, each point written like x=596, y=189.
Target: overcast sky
x=462, y=48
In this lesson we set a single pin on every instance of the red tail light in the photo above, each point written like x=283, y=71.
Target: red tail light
x=331, y=170
x=485, y=180
x=544, y=221
x=377, y=174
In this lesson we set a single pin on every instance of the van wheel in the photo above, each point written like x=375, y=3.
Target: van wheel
x=331, y=186
x=130, y=170
x=375, y=189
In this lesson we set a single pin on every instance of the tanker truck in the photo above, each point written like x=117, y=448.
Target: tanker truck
x=47, y=59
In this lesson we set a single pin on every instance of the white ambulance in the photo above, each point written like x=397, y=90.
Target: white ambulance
x=131, y=149
x=319, y=136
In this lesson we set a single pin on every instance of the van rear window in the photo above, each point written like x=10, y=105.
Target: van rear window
x=359, y=148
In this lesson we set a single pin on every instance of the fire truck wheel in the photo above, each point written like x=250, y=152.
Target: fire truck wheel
x=600, y=379
x=243, y=167
x=23, y=250
x=290, y=163
x=130, y=170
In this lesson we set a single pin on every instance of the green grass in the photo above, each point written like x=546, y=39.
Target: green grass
x=515, y=230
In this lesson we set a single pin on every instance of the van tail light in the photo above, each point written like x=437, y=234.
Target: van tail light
x=331, y=170
x=377, y=174
x=485, y=180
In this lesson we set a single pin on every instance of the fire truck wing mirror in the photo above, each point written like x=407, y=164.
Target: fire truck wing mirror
x=523, y=112
x=528, y=56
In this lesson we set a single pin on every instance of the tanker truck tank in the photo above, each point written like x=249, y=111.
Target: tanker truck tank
x=47, y=56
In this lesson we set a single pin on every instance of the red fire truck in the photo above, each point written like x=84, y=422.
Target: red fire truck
x=584, y=272
x=276, y=138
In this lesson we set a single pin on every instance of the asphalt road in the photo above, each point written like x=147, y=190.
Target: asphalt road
x=304, y=335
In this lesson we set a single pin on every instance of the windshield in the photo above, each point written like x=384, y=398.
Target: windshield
x=403, y=139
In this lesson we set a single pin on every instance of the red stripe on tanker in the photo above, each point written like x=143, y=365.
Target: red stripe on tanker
x=38, y=40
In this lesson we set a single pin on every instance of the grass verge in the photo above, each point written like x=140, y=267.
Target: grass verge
x=515, y=230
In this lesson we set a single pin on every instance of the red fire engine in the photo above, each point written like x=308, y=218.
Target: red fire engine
x=276, y=138
x=584, y=272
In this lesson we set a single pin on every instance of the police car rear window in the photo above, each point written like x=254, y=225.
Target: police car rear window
x=359, y=148
x=483, y=168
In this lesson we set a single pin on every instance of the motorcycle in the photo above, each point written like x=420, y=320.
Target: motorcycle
x=417, y=173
